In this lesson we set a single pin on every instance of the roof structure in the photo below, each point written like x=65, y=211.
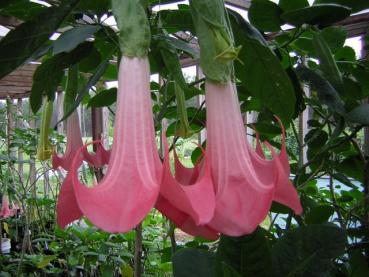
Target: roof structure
x=18, y=84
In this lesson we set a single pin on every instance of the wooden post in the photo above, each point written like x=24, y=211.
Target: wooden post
x=105, y=127
x=10, y=126
x=20, y=125
x=59, y=110
x=97, y=131
x=32, y=164
x=366, y=129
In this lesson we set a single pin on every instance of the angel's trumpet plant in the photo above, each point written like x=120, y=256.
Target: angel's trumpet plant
x=204, y=196
x=184, y=221
x=184, y=129
x=285, y=193
x=131, y=185
x=194, y=196
x=74, y=142
x=74, y=136
x=245, y=182
x=6, y=211
x=67, y=207
x=44, y=149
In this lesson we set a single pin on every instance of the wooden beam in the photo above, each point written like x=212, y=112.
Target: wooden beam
x=242, y=4
x=9, y=21
x=356, y=25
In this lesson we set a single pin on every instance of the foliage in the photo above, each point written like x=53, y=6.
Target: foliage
x=329, y=166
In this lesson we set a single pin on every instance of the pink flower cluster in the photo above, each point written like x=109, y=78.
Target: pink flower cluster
x=6, y=211
x=229, y=191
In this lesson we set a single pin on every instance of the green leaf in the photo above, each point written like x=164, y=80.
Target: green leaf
x=49, y=74
x=71, y=88
x=265, y=15
x=319, y=214
x=324, y=14
x=92, y=81
x=335, y=37
x=177, y=20
x=191, y=262
x=358, y=264
x=104, y=98
x=326, y=62
x=345, y=53
x=326, y=92
x=22, y=9
x=288, y=5
x=359, y=115
x=20, y=43
x=243, y=254
x=180, y=45
x=261, y=72
x=45, y=261
x=355, y=5
x=362, y=76
x=352, y=167
x=94, y=7
x=308, y=250
x=71, y=38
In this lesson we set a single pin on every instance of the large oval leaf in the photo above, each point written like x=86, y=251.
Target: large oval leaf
x=20, y=43
x=265, y=15
x=359, y=115
x=71, y=38
x=248, y=255
x=191, y=262
x=261, y=71
x=323, y=14
x=355, y=5
x=308, y=250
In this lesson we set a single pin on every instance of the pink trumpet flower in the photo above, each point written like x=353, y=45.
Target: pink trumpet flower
x=245, y=182
x=184, y=221
x=67, y=207
x=74, y=142
x=131, y=185
x=188, y=199
x=6, y=211
x=194, y=197
x=285, y=192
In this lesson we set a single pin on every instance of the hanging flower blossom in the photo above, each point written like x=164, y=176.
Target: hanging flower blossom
x=192, y=196
x=245, y=182
x=6, y=211
x=131, y=185
x=188, y=199
x=74, y=142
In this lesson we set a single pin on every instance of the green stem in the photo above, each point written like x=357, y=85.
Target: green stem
x=44, y=150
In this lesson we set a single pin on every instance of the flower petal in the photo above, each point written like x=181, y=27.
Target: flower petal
x=244, y=191
x=74, y=142
x=183, y=221
x=67, y=209
x=196, y=199
x=131, y=185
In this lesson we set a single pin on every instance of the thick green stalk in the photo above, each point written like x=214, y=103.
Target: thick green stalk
x=217, y=50
x=44, y=149
x=184, y=129
x=71, y=88
x=133, y=24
